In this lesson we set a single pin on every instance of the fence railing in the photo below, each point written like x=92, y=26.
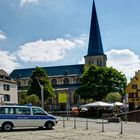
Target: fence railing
x=102, y=125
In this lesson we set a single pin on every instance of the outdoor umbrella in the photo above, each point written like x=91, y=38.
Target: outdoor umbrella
x=98, y=104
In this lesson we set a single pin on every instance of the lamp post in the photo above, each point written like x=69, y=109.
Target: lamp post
x=66, y=82
x=42, y=93
x=126, y=101
x=67, y=106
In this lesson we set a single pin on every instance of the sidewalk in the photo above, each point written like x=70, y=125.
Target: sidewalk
x=131, y=131
x=66, y=134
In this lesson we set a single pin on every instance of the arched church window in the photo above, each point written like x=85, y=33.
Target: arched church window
x=66, y=81
x=99, y=62
x=54, y=82
x=78, y=80
x=29, y=82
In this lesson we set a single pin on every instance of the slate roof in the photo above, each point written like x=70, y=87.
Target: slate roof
x=51, y=71
x=95, y=46
x=69, y=86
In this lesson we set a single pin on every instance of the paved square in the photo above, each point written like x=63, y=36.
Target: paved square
x=94, y=132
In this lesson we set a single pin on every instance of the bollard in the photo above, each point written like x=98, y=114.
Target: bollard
x=102, y=124
x=74, y=123
x=63, y=122
x=121, y=126
x=87, y=124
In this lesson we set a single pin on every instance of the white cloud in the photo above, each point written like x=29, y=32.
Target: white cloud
x=124, y=60
x=7, y=61
x=23, y=2
x=82, y=61
x=48, y=51
x=2, y=36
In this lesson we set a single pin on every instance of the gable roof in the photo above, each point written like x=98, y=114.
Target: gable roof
x=51, y=71
x=3, y=73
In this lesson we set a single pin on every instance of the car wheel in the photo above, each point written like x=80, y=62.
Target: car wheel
x=49, y=125
x=7, y=127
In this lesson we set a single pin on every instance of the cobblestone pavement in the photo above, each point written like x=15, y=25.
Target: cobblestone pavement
x=77, y=131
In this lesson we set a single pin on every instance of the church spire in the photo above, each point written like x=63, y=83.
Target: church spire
x=95, y=43
x=95, y=53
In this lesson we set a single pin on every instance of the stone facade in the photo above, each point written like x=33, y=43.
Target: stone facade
x=61, y=84
x=99, y=60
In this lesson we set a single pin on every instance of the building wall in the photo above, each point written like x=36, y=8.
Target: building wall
x=59, y=85
x=8, y=92
x=99, y=60
x=23, y=82
x=133, y=91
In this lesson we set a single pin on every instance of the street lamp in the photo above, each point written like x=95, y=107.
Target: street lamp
x=126, y=101
x=42, y=93
x=66, y=82
x=67, y=105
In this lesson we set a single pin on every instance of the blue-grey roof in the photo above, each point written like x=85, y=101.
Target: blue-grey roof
x=95, y=46
x=69, y=86
x=51, y=71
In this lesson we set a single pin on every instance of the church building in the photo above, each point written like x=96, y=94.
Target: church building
x=66, y=78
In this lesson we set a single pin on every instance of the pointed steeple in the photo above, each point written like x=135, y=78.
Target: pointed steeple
x=95, y=53
x=95, y=46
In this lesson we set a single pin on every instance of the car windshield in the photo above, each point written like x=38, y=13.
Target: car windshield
x=38, y=111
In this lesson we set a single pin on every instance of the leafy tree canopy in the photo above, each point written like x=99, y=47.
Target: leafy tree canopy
x=39, y=76
x=33, y=99
x=22, y=98
x=113, y=97
x=97, y=82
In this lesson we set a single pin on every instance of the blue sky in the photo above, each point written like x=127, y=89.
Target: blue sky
x=55, y=32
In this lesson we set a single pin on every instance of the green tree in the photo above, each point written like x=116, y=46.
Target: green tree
x=22, y=98
x=33, y=99
x=97, y=82
x=113, y=97
x=40, y=76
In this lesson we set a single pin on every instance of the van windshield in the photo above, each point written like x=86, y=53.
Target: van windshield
x=38, y=111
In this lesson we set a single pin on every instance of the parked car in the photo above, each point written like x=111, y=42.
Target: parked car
x=25, y=116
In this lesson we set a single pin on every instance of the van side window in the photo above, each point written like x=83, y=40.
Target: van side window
x=38, y=111
x=6, y=110
x=9, y=110
x=23, y=111
x=2, y=110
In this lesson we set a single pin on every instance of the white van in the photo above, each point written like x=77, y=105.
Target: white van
x=25, y=116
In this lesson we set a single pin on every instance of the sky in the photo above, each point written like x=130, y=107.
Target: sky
x=55, y=32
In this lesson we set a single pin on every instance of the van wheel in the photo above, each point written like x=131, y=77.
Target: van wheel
x=49, y=125
x=7, y=126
